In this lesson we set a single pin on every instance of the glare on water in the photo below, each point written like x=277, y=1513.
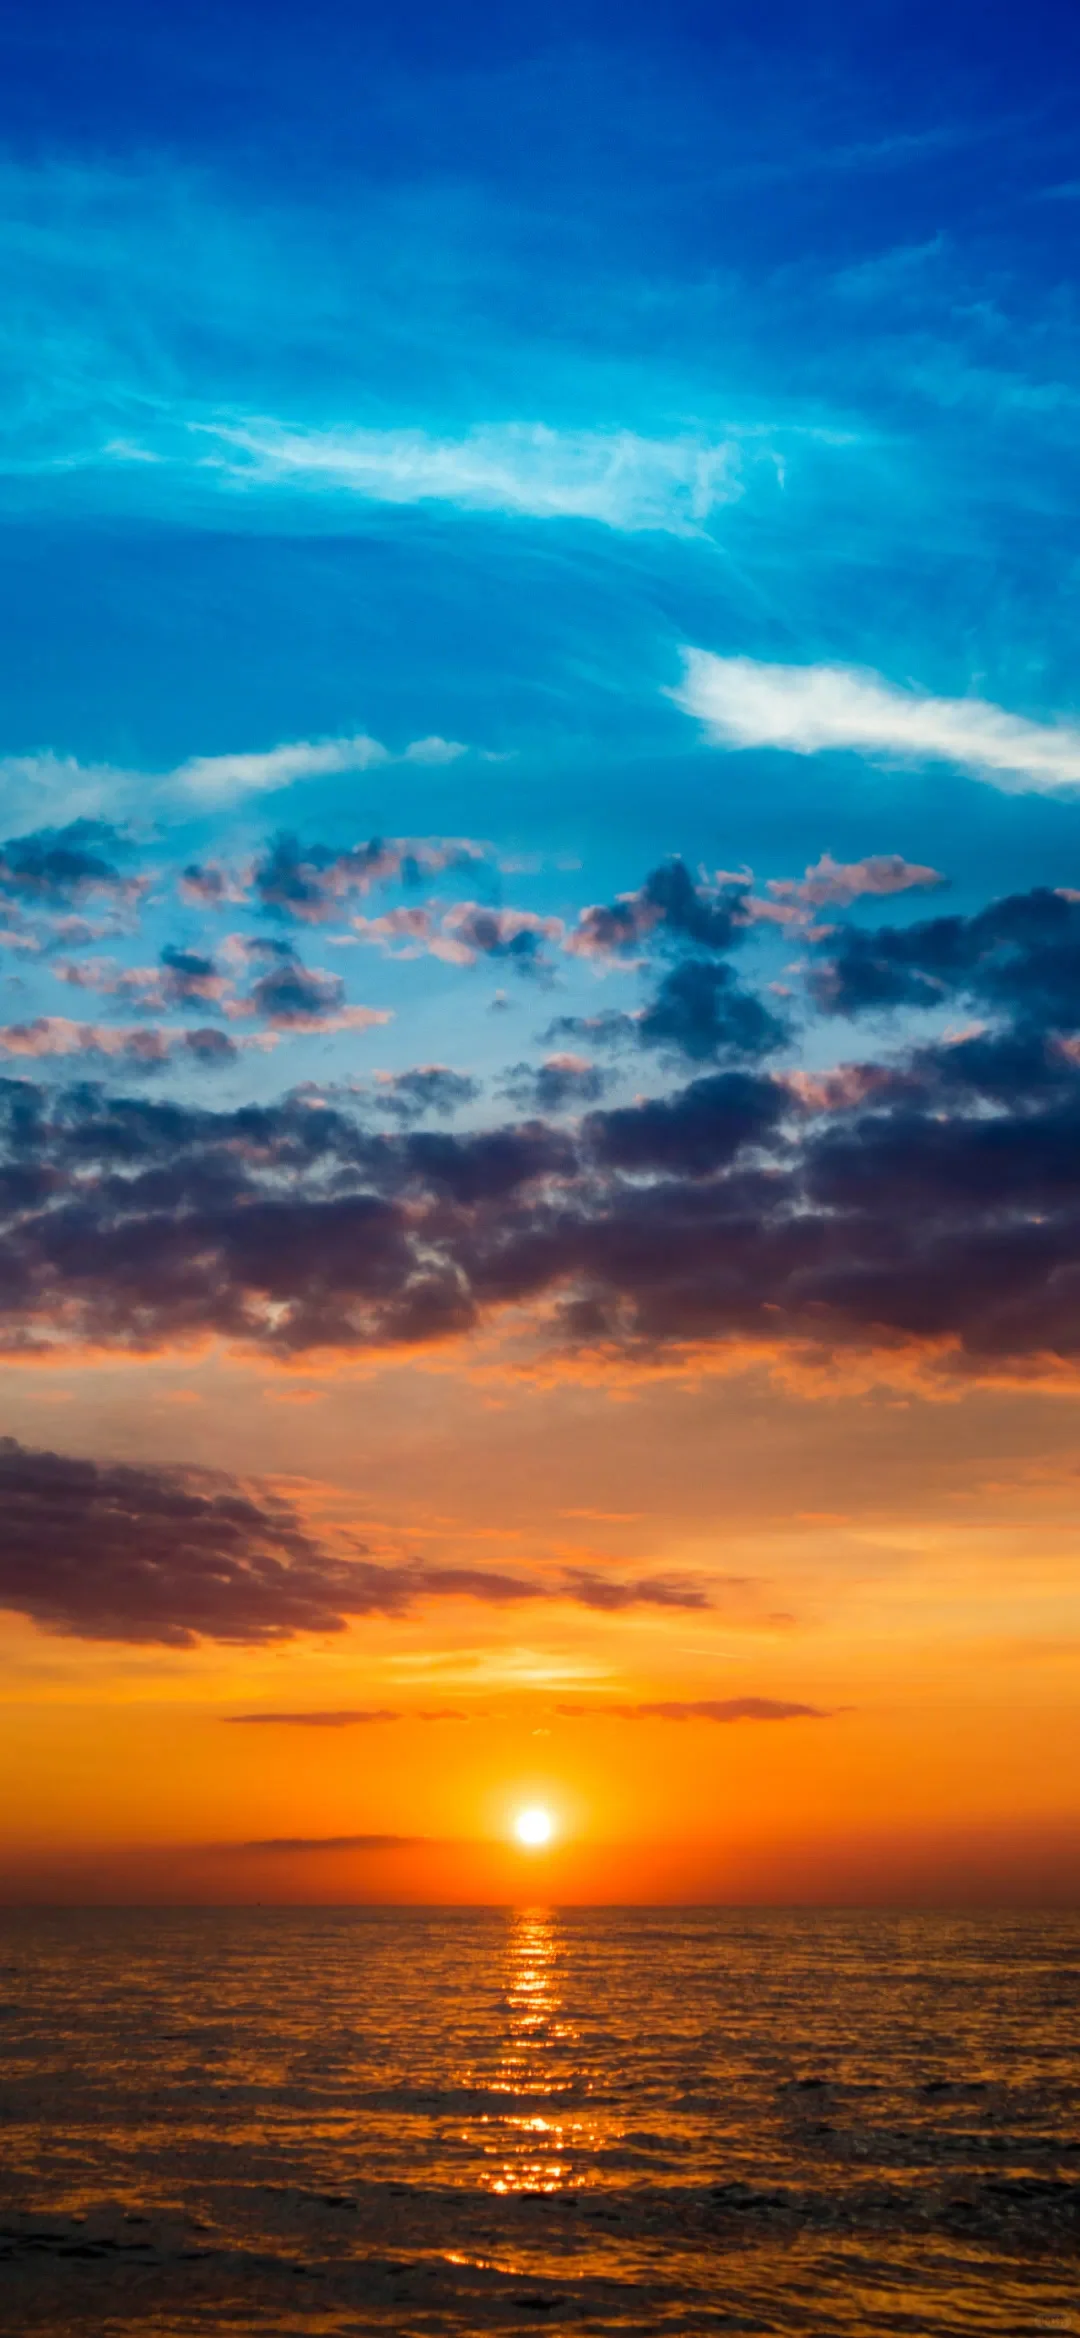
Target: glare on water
x=290, y=2122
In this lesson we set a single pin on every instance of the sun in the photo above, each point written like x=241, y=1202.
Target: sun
x=534, y=1827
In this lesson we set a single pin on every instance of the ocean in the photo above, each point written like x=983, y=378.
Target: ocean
x=614, y=2120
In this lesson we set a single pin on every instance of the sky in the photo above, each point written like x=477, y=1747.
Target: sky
x=539, y=952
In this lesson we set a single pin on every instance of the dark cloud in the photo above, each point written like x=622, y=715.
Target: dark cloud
x=212, y=1049
x=934, y=1199
x=668, y=907
x=103, y=1551
x=610, y=1598
x=322, y=1720
x=693, y=1133
x=700, y=1709
x=429, y=1088
x=57, y=867
x=700, y=1010
x=1020, y=955
x=562, y=1083
x=111, y=1552
x=490, y=1164
x=333, y=1843
x=611, y=1028
x=350, y=1718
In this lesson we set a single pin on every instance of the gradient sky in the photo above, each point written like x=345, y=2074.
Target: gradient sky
x=540, y=924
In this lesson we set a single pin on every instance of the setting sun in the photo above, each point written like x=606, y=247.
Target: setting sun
x=534, y=1827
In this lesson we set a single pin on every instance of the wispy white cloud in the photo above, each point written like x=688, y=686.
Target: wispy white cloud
x=225, y=779
x=616, y=477
x=813, y=709
x=58, y=788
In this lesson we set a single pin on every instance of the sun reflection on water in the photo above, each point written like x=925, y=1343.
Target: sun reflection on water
x=534, y=2149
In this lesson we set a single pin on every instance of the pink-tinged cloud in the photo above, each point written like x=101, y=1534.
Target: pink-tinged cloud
x=831, y=884
x=312, y=883
x=138, y=1045
x=54, y=1035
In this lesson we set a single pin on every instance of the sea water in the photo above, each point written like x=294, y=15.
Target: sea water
x=609, y=2120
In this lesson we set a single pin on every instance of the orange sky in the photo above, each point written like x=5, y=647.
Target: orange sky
x=905, y=1567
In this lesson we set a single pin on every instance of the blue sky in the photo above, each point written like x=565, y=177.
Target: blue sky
x=603, y=440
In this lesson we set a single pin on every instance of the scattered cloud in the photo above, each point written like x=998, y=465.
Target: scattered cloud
x=812, y=710
x=285, y=994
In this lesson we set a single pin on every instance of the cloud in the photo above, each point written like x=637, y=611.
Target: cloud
x=516, y=935
x=613, y=1027
x=831, y=884
x=312, y=882
x=692, y=1134
x=811, y=710
x=320, y=1720
x=923, y=1206
x=288, y=1843
x=181, y=978
x=1019, y=955
x=668, y=906
x=428, y=1088
x=56, y=867
x=562, y=1083
x=292, y=997
x=616, y=478
x=700, y=1709
x=285, y=994
x=227, y=779
x=701, y=1010
x=104, y=1551
x=349, y=1718
x=139, y=1047
x=88, y=795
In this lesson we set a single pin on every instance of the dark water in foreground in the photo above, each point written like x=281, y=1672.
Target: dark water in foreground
x=272, y=2121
